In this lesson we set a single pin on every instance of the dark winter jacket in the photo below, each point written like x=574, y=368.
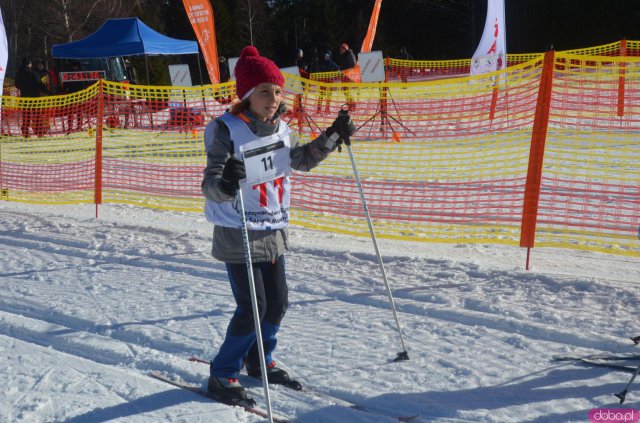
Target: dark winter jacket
x=223, y=67
x=327, y=65
x=265, y=245
x=347, y=60
x=28, y=82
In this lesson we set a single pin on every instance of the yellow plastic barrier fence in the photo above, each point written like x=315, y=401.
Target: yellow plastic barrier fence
x=543, y=153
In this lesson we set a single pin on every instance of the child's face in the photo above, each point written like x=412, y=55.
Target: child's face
x=265, y=99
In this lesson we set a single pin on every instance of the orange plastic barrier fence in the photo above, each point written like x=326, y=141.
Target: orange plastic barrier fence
x=423, y=70
x=543, y=153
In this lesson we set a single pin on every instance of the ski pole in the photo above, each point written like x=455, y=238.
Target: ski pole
x=622, y=395
x=254, y=301
x=403, y=355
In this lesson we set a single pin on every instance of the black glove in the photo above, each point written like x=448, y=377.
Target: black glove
x=343, y=126
x=232, y=173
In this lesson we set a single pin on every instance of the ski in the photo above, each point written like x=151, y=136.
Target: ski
x=198, y=390
x=603, y=361
x=596, y=357
x=297, y=386
x=608, y=364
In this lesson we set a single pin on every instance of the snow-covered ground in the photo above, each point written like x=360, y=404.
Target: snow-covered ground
x=90, y=306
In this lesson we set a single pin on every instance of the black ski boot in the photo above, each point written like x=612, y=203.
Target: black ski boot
x=229, y=391
x=275, y=375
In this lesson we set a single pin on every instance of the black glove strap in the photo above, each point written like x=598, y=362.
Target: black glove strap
x=332, y=139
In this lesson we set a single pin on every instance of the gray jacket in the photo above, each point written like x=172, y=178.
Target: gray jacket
x=265, y=246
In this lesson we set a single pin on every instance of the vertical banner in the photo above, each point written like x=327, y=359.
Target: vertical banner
x=4, y=53
x=200, y=15
x=367, y=43
x=354, y=73
x=491, y=53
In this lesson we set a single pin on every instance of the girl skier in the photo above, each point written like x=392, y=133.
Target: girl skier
x=254, y=121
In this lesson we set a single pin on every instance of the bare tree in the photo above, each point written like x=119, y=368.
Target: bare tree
x=69, y=20
x=13, y=13
x=253, y=18
x=33, y=26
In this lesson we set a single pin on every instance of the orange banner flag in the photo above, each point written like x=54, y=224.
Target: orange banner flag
x=200, y=15
x=367, y=43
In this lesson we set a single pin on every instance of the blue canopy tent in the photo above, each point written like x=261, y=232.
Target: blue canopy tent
x=125, y=37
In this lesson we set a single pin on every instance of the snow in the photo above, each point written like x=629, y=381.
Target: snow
x=90, y=306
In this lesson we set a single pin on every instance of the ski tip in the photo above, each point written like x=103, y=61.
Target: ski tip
x=622, y=396
x=636, y=340
x=402, y=356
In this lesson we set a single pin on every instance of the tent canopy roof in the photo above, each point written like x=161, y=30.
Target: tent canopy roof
x=123, y=37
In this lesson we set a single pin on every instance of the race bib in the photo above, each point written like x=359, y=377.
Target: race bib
x=265, y=159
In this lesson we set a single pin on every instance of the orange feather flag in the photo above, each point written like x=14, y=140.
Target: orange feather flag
x=200, y=15
x=367, y=43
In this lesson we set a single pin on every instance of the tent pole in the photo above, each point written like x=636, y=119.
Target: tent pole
x=204, y=101
x=146, y=66
x=200, y=70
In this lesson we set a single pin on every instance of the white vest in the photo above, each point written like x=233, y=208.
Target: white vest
x=267, y=204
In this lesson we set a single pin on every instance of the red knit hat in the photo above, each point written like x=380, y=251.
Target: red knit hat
x=252, y=70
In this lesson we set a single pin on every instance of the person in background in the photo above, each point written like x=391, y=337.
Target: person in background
x=326, y=65
x=259, y=86
x=30, y=85
x=132, y=73
x=404, y=54
x=315, y=61
x=347, y=60
x=126, y=107
x=70, y=87
x=405, y=68
x=223, y=67
x=73, y=86
x=46, y=81
x=54, y=81
x=43, y=74
x=300, y=63
x=223, y=96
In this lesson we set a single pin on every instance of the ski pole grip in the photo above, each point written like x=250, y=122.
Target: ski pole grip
x=345, y=112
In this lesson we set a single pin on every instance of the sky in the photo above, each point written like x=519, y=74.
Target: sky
x=91, y=305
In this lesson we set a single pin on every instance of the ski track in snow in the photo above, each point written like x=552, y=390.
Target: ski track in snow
x=90, y=305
